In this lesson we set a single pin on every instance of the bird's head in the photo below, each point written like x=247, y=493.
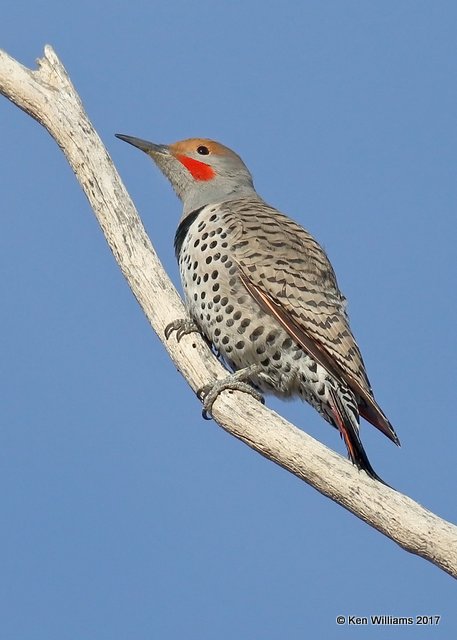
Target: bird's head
x=201, y=171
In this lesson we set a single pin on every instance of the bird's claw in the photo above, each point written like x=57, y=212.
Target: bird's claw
x=183, y=326
x=209, y=393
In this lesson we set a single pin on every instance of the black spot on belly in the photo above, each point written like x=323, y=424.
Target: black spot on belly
x=257, y=333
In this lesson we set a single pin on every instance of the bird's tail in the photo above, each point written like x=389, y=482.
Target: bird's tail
x=347, y=423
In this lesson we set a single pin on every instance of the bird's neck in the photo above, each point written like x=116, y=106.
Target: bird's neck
x=210, y=196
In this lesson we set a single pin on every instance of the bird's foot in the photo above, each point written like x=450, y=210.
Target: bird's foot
x=183, y=326
x=209, y=393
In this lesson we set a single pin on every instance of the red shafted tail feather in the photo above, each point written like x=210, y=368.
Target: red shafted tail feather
x=350, y=434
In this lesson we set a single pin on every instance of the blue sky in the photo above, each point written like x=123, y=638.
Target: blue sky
x=124, y=514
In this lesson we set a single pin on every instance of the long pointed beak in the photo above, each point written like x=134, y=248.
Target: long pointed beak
x=148, y=147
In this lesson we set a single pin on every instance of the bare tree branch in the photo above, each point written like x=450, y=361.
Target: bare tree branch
x=48, y=96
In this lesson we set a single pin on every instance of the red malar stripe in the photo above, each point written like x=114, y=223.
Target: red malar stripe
x=199, y=170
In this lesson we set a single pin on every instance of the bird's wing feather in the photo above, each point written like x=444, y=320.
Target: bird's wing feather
x=290, y=276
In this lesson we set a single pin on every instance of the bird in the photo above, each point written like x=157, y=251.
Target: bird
x=263, y=293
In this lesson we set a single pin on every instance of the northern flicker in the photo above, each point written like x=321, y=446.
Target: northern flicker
x=263, y=292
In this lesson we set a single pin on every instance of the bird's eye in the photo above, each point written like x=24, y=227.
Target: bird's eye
x=202, y=150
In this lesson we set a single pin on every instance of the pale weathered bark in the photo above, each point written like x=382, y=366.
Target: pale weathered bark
x=48, y=96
